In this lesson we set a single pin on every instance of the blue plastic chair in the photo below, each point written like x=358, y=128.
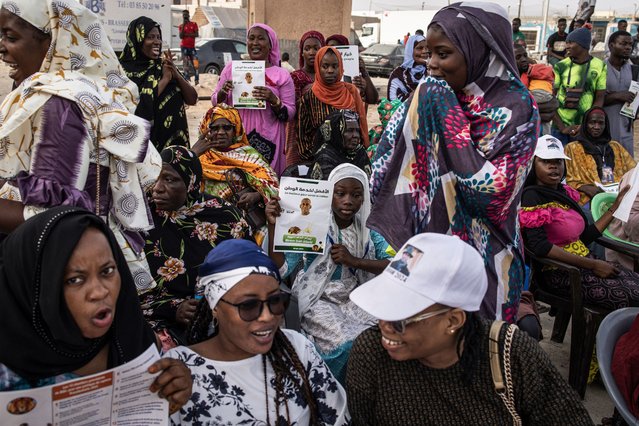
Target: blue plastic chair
x=610, y=330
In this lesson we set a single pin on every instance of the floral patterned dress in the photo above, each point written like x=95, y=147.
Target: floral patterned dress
x=232, y=392
x=180, y=241
x=455, y=161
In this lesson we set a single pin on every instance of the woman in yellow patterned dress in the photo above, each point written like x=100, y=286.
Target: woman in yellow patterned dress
x=229, y=161
x=596, y=158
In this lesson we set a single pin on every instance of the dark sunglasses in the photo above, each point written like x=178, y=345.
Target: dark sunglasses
x=251, y=309
x=225, y=127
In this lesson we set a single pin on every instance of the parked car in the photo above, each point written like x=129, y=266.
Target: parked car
x=382, y=59
x=214, y=53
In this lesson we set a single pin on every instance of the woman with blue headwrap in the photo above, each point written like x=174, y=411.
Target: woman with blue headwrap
x=405, y=78
x=246, y=369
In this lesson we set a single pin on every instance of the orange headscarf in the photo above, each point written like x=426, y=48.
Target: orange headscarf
x=215, y=163
x=339, y=95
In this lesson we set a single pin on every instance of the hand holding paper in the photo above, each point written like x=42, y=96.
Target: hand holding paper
x=625, y=205
x=174, y=383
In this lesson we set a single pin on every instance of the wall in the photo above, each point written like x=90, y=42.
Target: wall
x=292, y=18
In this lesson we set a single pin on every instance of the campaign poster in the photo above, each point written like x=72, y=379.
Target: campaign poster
x=306, y=210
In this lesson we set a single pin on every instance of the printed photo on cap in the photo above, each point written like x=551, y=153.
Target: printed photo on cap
x=405, y=259
x=554, y=144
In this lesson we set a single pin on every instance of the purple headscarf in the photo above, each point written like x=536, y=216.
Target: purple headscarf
x=455, y=161
x=274, y=56
x=491, y=34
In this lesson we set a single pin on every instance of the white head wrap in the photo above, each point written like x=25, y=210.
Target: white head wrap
x=81, y=66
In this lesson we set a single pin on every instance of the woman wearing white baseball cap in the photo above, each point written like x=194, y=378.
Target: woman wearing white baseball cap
x=554, y=226
x=428, y=361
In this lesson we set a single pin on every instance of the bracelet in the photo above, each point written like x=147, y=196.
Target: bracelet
x=277, y=103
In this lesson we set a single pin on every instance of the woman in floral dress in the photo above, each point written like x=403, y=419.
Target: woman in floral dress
x=453, y=160
x=188, y=224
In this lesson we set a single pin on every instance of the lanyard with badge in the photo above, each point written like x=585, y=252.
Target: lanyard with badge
x=607, y=173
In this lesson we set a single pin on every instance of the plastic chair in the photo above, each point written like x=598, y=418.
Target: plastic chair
x=611, y=328
x=585, y=318
x=599, y=205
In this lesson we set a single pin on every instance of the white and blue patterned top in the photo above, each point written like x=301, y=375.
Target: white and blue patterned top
x=232, y=392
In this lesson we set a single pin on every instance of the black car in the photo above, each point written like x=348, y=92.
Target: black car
x=217, y=52
x=214, y=53
x=382, y=59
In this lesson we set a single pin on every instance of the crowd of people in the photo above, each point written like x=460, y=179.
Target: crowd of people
x=149, y=236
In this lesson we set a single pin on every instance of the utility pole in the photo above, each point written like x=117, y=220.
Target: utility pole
x=519, y=10
x=542, y=42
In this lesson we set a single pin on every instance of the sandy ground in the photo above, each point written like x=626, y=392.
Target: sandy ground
x=596, y=401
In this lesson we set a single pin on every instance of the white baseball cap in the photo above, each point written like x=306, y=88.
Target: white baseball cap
x=430, y=268
x=550, y=148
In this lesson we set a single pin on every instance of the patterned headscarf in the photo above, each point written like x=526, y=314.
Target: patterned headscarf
x=232, y=115
x=241, y=155
x=306, y=36
x=330, y=139
x=82, y=67
x=386, y=109
x=142, y=70
x=274, y=55
x=332, y=130
x=188, y=166
x=229, y=263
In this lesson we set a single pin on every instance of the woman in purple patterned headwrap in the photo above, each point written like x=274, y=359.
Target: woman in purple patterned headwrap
x=454, y=159
x=265, y=128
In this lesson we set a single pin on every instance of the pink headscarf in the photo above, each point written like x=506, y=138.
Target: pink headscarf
x=274, y=56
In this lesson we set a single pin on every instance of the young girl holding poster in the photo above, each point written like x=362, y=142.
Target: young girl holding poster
x=353, y=255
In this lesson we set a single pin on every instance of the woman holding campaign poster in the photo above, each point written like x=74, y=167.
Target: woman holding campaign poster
x=327, y=94
x=353, y=255
x=266, y=124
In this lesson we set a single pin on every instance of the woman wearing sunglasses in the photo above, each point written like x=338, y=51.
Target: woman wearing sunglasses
x=427, y=362
x=245, y=369
x=227, y=157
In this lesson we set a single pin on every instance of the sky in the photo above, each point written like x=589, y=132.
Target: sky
x=528, y=8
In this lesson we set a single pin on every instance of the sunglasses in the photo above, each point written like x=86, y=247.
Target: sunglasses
x=400, y=326
x=225, y=127
x=251, y=309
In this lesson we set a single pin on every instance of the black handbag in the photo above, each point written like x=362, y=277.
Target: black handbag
x=236, y=179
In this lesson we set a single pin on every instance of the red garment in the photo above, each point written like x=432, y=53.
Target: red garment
x=340, y=95
x=625, y=367
x=189, y=27
x=541, y=72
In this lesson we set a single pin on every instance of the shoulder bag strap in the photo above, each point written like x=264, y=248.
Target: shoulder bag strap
x=503, y=388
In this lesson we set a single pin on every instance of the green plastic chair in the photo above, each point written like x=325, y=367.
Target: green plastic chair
x=598, y=206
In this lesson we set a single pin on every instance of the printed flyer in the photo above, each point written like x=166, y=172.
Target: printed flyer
x=303, y=222
x=629, y=109
x=350, y=58
x=246, y=76
x=119, y=396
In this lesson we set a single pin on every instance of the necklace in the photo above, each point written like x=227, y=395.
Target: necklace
x=268, y=417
